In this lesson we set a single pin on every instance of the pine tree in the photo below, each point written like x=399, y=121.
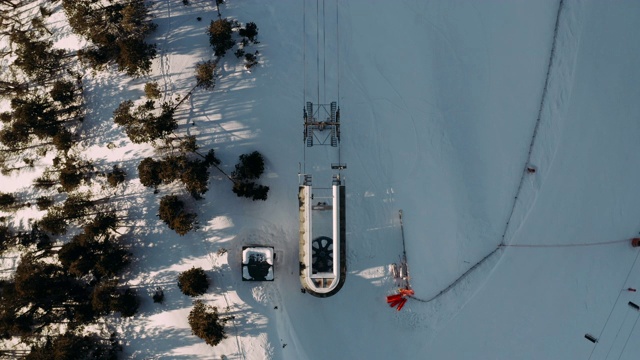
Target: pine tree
x=149, y=172
x=193, y=282
x=126, y=303
x=151, y=90
x=7, y=201
x=205, y=74
x=36, y=58
x=220, y=36
x=53, y=222
x=44, y=202
x=250, y=31
x=173, y=214
x=206, y=323
x=63, y=92
x=117, y=32
x=7, y=238
x=116, y=176
x=250, y=167
x=71, y=346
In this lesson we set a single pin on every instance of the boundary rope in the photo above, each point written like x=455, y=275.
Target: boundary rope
x=456, y=281
x=565, y=245
x=536, y=127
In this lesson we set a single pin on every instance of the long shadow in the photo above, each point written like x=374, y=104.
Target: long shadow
x=152, y=342
x=102, y=97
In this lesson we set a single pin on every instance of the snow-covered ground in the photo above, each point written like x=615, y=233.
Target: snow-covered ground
x=439, y=102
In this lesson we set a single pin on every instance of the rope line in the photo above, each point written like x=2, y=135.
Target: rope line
x=537, y=126
x=565, y=245
x=456, y=281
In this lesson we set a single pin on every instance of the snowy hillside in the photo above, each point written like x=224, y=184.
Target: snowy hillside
x=444, y=104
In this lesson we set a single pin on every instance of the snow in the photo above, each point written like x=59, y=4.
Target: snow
x=439, y=102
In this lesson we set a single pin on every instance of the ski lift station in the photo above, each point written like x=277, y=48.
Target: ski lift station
x=322, y=237
x=322, y=206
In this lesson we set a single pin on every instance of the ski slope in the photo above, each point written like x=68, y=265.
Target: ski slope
x=440, y=101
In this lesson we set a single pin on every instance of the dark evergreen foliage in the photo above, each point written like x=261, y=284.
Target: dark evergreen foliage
x=53, y=222
x=117, y=32
x=116, y=176
x=94, y=252
x=194, y=173
x=250, y=60
x=44, y=202
x=220, y=32
x=250, y=190
x=173, y=214
x=193, y=282
x=250, y=31
x=158, y=296
x=36, y=58
x=72, y=174
x=41, y=293
x=151, y=90
x=141, y=125
x=70, y=346
x=126, y=302
x=7, y=201
x=63, y=92
x=250, y=167
x=33, y=116
x=76, y=206
x=63, y=140
x=34, y=236
x=206, y=323
x=7, y=238
x=149, y=172
x=205, y=74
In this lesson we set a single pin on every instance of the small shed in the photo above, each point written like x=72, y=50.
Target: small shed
x=257, y=263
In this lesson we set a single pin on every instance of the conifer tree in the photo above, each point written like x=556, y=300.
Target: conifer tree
x=220, y=32
x=193, y=282
x=206, y=323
